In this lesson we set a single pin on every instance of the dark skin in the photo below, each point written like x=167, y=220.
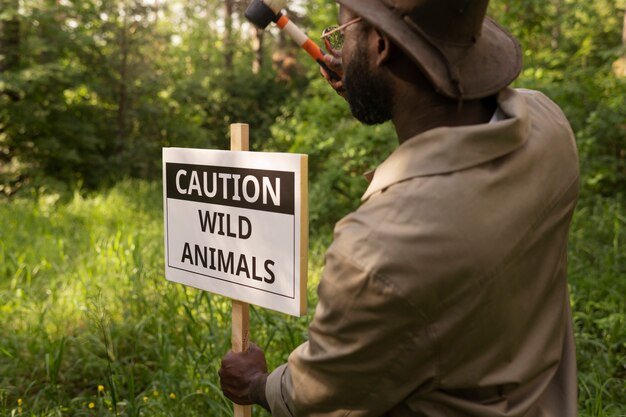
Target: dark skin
x=416, y=108
x=243, y=377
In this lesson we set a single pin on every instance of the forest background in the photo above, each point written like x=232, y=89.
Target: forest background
x=91, y=90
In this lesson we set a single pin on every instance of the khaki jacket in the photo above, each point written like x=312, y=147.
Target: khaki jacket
x=445, y=293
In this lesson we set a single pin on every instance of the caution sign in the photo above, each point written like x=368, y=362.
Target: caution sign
x=236, y=224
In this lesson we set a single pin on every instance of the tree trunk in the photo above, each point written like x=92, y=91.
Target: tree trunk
x=619, y=66
x=257, y=48
x=228, y=34
x=556, y=27
x=122, y=89
x=9, y=36
x=624, y=33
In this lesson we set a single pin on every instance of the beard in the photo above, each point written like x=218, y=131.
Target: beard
x=369, y=97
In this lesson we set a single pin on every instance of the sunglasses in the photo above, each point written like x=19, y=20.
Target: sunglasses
x=333, y=35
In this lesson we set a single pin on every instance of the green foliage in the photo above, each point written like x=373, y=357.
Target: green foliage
x=597, y=270
x=69, y=114
x=101, y=87
x=83, y=303
x=569, y=49
x=601, y=141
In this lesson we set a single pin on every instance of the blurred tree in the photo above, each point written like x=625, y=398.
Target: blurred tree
x=9, y=35
x=87, y=69
x=619, y=66
x=579, y=74
x=257, y=48
x=229, y=6
x=9, y=61
x=90, y=91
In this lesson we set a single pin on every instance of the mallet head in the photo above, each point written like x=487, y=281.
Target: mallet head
x=263, y=12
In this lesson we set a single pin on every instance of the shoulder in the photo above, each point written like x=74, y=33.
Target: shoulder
x=545, y=110
x=551, y=147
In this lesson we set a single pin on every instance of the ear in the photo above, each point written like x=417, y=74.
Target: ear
x=384, y=48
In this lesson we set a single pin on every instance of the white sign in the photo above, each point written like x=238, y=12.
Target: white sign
x=236, y=224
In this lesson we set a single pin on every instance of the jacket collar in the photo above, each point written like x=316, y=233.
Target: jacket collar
x=448, y=149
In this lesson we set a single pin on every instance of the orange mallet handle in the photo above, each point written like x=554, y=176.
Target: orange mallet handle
x=306, y=43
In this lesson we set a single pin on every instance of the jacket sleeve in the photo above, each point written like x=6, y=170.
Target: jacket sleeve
x=368, y=349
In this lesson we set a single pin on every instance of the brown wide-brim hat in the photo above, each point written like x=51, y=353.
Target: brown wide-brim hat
x=464, y=54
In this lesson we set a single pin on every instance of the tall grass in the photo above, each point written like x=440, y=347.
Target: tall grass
x=89, y=326
x=598, y=286
x=83, y=304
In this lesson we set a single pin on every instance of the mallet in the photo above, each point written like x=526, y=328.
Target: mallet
x=262, y=12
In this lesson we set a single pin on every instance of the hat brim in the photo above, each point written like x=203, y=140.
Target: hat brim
x=482, y=69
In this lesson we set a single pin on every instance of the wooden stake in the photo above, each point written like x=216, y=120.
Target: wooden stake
x=240, y=141
x=239, y=137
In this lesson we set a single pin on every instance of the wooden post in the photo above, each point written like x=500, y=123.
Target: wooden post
x=240, y=141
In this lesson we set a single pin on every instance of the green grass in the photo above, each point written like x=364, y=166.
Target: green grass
x=598, y=287
x=83, y=303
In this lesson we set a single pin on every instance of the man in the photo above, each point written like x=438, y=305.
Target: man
x=445, y=293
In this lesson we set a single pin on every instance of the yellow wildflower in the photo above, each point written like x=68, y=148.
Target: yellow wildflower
x=145, y=399
x=100, y=388
x=19, y=402
x=172, y=396
x=155, y=393
x=92, y=405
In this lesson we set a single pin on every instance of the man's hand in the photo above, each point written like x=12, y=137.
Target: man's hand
x=333, y=61
x=243, y=376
